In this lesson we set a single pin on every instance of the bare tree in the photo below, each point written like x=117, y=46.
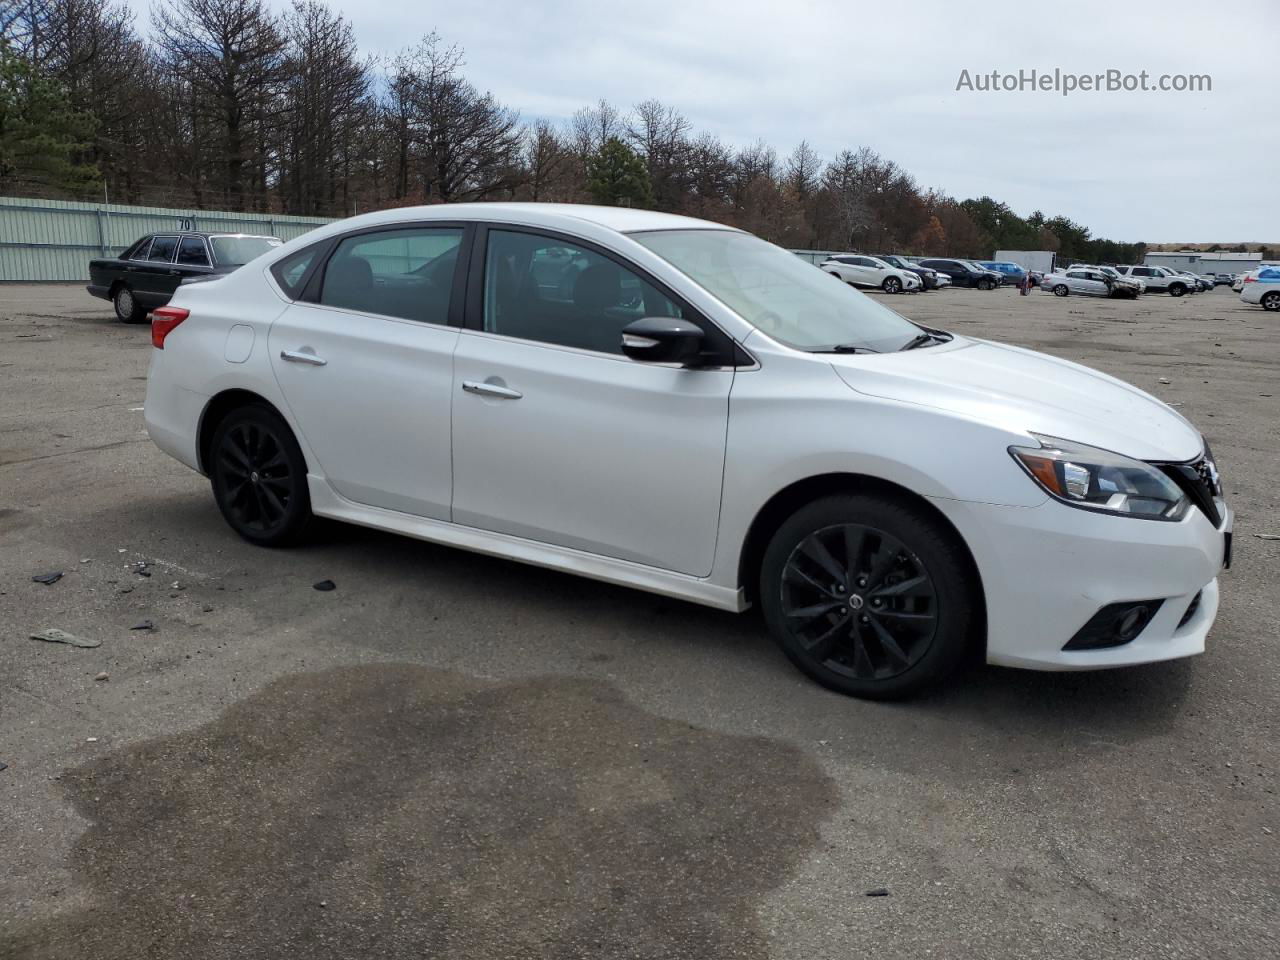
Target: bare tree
x=547, y=163
x=659, y=135
x=230, y=53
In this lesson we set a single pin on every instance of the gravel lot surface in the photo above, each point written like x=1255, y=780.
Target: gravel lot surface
x=451, y=755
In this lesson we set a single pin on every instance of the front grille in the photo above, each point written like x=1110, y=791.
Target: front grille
x=1199, y=480
x=1192, y=607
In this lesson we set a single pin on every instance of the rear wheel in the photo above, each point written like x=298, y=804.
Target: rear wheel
x=1271, y=300
x=127, y=307
x=868, y=595
x=891, y=285
x=259, y=477
x=1061, y=290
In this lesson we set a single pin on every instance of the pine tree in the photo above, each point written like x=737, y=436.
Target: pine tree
x=41, y=136
x=616, y=176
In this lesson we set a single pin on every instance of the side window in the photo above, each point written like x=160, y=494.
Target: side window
x=539, y=288
x=138, y=251
x=1076, y=274
x=405, y=273
x=191, y=252
x=162, y=249
x=292, y=270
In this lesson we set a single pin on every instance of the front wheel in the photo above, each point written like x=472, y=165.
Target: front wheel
x=868, y=595
x=259, y=477
x=891, y=285
x=1060, y=290
x=128, y=310
x=985, y=285
x=1271, y=300
x=1177, y=290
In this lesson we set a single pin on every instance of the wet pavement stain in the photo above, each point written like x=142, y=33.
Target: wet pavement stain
x=396, y=811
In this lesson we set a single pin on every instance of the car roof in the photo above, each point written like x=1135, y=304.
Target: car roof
x=207, y=236
x=567, y=216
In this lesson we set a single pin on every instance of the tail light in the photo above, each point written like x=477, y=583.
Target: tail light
x=1250, y=279
x=163, y=322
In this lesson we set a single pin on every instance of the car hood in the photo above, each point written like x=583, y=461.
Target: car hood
x=1024, y=391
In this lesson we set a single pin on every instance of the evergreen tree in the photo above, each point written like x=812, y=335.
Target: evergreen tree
x=41, y=136
x=617, y=177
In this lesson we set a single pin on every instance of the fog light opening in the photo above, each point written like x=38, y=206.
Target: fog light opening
x=1115, y=625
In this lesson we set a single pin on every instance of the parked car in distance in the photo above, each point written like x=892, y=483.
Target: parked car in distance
x=963, y=273
x=1158, y=279
x=1012, y=273
x=1113, y=273
x=1089, y=282
x=1262, y=287
x=1199, y=282
x=1241, y=279
x=891, y=495
x=145, y=275
x=863, y=271
x=928, y=278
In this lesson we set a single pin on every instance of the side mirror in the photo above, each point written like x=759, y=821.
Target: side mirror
x=662, y=340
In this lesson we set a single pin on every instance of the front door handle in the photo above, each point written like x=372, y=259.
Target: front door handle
x=491, y=390
x=297, y=356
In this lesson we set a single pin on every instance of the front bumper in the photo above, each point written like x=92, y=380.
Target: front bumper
x=1046, y=570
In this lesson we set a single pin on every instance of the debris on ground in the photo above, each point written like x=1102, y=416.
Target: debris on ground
x=324, y=586
x=207, y=608
x=176, y=585
x=878, y=892
x=48, y=579
x=1267, y=536
x=1164, y=380
x=90, y=739
x=143, y=625
x=142, y=568
x=86, y=559
x=102, y=676
x=54, y=635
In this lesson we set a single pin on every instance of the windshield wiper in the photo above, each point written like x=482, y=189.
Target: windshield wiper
x=844, y=348
x=923, y=338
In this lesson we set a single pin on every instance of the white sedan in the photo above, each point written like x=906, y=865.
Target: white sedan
x=1089, y=282
x=680, y=407
x=872, y=272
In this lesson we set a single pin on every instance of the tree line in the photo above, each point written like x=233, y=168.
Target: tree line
x=223, y=104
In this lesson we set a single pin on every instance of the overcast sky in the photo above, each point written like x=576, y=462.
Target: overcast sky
x=1155, y=166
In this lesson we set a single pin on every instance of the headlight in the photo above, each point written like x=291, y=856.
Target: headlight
x=1100, y=480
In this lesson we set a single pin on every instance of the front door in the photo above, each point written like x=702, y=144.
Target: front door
x=560, y=438
x=367, y=368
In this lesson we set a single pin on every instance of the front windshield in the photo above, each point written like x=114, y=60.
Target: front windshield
x=973, y=266
x=778, y=293
x=237, y=251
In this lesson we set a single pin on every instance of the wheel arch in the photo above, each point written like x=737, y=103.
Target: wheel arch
x=791, y=498
x=217, y=408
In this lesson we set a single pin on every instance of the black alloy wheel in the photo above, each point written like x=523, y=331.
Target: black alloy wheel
x=259, y=477
x=870, y=598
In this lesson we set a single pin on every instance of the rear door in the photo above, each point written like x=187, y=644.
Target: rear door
x=560, y=438
x=365, y=361
x=156, y=277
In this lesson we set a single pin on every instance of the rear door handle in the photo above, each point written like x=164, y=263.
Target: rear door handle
x=297, y=356
x=491, y=390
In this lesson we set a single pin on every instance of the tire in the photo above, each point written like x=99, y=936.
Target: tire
x=1061, y=290
x=128, y=310
x=905, y=565
x=259, y=477
x=1177, y=289
x=985, y=285
x=1270, y=300
x=891, y=285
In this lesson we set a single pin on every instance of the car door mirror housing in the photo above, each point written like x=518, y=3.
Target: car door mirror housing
x=663, y=340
